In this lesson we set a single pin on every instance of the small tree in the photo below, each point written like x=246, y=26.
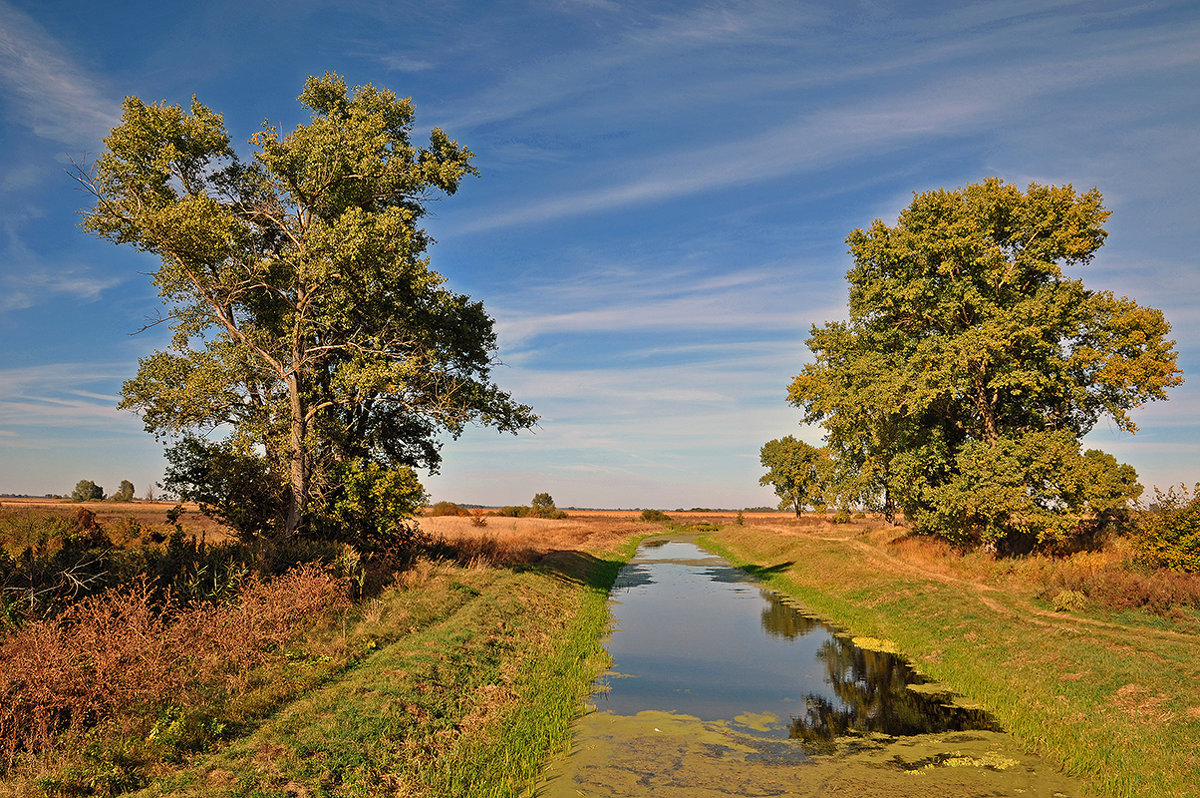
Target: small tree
x=124, y=492
x=799, y=472
x=542, y=506
x=1169, y=530
x=86, y=490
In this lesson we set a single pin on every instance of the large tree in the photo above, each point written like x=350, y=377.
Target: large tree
x=972, y=364
x=307, y=322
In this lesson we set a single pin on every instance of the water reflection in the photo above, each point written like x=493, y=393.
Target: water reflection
x=783, y=620
x=873, y=695
x=698, y=637
x=721, y=688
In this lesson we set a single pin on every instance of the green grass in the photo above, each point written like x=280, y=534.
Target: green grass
x=1116, y=706
x=474, y=680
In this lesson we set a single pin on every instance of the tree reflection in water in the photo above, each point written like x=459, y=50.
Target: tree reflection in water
x=871, y=688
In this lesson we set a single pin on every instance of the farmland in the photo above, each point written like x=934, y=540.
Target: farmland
x=460, y=671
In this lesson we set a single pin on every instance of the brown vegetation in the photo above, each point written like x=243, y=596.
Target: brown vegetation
x=521, y=540
x=113, y=656
x=114, y=516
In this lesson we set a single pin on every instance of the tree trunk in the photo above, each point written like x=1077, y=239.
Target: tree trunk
x=987, y=412
x=299, y=462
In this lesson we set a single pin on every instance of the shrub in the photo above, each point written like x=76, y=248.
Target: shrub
x=1069, y=600
x=1072, y=585
x=1168, y=534
x=656, y=516
x=372, y=506
x=524, y=511
x=445, y=508
x=125, y=655
x=237, y=488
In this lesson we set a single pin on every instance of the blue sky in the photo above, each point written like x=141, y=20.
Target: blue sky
x=665, y=193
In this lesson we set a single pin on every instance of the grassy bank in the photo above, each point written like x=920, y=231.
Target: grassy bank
x=457, y=678
x=1115, y=704
x=476, y=674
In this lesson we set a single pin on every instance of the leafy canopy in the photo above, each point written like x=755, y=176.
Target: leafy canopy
x=799, y=472
x=972, y=364
x=86, y=490
x=308, y=326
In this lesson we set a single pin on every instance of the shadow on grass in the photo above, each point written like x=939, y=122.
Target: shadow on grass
x=581, y=568
x=765, y=571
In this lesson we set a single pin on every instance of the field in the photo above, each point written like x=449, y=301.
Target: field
x=467, y=665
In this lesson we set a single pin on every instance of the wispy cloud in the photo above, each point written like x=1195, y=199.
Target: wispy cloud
x=970, y=103
x=43, y=406
x=402, y=62
x=51, y=94
x=20, y=289
x=663, y=298
x=647, y=41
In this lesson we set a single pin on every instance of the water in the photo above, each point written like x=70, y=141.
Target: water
x=719, y=687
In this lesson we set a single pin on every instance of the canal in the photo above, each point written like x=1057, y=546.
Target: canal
x=720, y=687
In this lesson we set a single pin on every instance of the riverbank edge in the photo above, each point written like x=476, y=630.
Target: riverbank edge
x=553, y=688
x=994, y=660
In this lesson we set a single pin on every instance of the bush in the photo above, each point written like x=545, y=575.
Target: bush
x=1168, y=534
x=445, y=508
x=125, y=656
x=543, y=507
x=49, y=560
x=656, y=517
x=372, y=506
x=237, y=488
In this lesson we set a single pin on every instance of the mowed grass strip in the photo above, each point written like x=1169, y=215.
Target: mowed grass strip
x=1117, y=707
x=467, y=705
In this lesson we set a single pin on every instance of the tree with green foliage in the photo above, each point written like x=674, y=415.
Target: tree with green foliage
x=306, y=318
x=124, y=492
x=1169, y=530
x=235, y=487
x=972, y=365
x=800, y=473
x=86, y=490
x=542, y=501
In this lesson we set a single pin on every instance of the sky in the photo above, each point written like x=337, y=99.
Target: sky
x=665, y=193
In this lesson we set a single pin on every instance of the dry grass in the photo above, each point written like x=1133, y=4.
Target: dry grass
x=120, y=656
x=115, y=516
x=522, y=540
